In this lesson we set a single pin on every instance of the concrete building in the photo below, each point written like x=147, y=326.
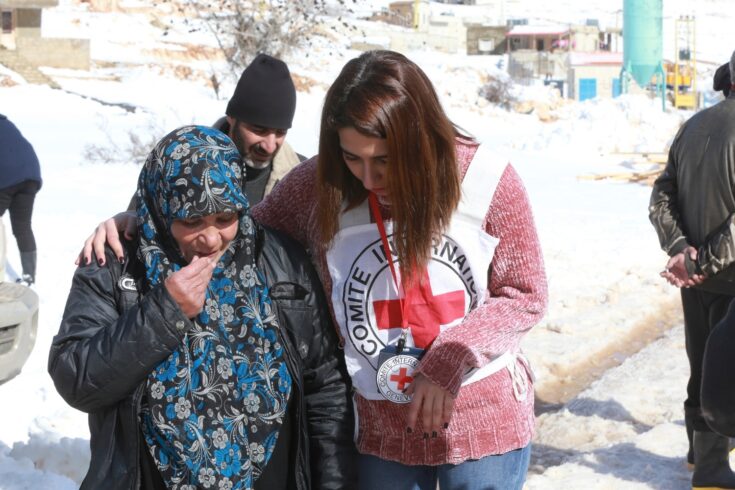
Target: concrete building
x=594, y=75
x=554, y=37
x=21, y=33
x=527, y=65
x=486, y=39
x=397, y=13
x=446, y=27
x=575, y=58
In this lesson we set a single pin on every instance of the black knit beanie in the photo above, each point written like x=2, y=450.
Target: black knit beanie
x=265, y=94
x=721, y=80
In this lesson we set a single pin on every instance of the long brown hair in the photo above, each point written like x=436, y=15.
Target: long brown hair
x=383, y=94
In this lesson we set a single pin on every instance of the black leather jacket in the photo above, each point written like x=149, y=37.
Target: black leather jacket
x=693, y=200
x=111, y=337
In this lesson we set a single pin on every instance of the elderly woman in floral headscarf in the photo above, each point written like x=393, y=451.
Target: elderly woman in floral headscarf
x=178, y=355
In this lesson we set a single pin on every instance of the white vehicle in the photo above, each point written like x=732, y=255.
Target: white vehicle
x=18, y=321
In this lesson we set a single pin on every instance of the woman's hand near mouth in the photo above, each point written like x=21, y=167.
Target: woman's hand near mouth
x=188, y=285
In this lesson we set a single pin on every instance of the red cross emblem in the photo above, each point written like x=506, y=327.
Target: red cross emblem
x=402, y=378
x=426, y=312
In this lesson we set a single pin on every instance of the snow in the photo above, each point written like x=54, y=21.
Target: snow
x=609, y=356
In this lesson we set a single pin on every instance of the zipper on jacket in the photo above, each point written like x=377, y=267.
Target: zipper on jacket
x=301, y=423
x=301, y=481
x=297, y=377
x=137, y=397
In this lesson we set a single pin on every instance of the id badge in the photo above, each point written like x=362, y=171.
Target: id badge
x=395, y=372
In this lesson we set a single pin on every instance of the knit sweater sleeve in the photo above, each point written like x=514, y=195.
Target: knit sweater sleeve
x=516, y=297
x=289, y=205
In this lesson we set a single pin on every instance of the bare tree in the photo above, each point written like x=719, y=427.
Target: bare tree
x=244, y=28
x=498, y=91
x=139, y=143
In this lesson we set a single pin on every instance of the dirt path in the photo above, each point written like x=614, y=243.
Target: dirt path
x=569, y=381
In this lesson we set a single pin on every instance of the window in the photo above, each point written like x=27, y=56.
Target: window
x=485, y=45
x=7, y=21
x=587, y=88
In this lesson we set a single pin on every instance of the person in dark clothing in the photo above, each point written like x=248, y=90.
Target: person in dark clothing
x=692, y=208
x=20, y=180
x=206, y=359
x=718, y=363
x=258, y=117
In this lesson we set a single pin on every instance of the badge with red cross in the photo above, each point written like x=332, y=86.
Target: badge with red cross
x=395, y=375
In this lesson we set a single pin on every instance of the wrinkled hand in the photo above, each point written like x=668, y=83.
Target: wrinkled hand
x=434, y=403
x=188, y=285
x=676, y=272
x=108, y=231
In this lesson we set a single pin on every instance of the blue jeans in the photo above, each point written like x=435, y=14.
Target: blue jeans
x=496, y=472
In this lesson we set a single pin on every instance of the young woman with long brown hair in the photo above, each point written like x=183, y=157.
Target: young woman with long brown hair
x=431, y=305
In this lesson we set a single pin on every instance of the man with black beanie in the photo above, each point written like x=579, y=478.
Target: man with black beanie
x=259, y=115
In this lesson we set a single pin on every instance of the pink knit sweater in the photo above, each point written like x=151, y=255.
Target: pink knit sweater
x=487, y=418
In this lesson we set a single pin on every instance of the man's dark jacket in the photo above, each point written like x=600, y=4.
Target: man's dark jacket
x=111, y=337
x=693, y=200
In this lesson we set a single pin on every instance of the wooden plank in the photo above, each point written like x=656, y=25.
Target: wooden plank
x=629, y=176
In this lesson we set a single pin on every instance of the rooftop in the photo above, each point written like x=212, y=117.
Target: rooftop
x=537, y=30
x=595, y=58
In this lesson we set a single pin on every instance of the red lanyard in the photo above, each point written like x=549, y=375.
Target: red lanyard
x=405, y=303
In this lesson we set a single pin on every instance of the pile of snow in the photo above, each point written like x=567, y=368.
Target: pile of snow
x=629, y=123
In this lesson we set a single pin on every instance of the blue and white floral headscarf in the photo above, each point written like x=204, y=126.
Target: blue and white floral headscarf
x=214, y=408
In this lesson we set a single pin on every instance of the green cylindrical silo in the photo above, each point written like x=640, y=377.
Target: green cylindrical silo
x=642, y=38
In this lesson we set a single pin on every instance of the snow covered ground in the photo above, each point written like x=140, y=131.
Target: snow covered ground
x=609, y=356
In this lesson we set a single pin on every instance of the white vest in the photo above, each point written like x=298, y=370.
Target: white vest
x=364, y=295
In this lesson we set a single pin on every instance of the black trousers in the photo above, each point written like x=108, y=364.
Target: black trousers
x=702, y=311
x=19, y=200
x=718, y=372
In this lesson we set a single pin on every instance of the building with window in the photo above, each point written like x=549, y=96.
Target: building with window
x=452, y=26
x=576, y=57
x=21, y=32
x=594, y=75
